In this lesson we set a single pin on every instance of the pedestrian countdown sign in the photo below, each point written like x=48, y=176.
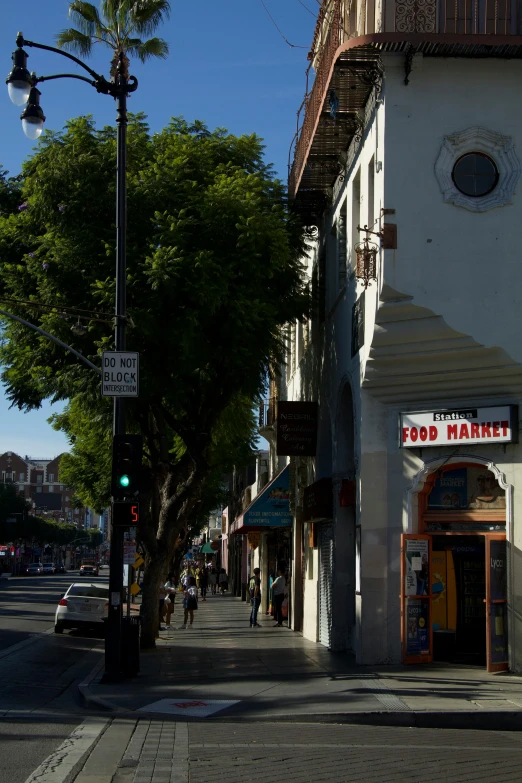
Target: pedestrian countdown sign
x=120, y=374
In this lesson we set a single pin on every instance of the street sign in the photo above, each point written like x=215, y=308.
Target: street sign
x=139, y=561
x=120, y=374
x=129, y=552
x=135, y=588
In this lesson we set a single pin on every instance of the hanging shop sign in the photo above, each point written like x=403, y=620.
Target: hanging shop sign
x=318, y=501
x=254, y=539
x=296, y=429
x=459, y=427
x=271, y=508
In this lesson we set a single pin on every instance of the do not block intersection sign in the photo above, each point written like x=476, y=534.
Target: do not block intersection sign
x=120, y=374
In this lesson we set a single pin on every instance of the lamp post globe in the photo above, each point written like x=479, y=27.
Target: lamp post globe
x=32, y=116
x=18, y=91
x=19, y=81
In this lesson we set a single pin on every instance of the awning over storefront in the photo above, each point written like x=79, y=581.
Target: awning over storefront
x=270, y=509
x=210, y=548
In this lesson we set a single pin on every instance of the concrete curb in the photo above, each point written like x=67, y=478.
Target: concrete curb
x=91, y=699
x=481, y=721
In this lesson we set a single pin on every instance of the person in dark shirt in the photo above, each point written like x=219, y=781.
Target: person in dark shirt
x=254, y=587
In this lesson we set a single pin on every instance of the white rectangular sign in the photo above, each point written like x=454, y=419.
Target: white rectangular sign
x=120, y=374
x=459, y=427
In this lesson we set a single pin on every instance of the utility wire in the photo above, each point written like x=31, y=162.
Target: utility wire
x=285, y=39
x=306, y=8
x=61, y=308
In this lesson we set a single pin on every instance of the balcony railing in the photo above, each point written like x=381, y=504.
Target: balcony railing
x=267, y=413
x=429, y=26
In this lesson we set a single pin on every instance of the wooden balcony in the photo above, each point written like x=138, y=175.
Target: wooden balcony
x=349, y=39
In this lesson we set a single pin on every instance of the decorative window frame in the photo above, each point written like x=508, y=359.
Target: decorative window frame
x=499, y=148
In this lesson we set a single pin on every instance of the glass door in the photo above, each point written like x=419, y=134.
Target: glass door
x=496, y=604
x=416, y=630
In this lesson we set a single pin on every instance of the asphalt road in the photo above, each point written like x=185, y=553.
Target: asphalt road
x=28, y=604
x=39, y=672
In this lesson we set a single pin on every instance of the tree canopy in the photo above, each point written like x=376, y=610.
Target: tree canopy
x=213, y=274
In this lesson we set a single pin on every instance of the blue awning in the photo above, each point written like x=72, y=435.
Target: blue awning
x=270, y=509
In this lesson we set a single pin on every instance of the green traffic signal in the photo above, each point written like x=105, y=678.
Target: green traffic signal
x=124, y=481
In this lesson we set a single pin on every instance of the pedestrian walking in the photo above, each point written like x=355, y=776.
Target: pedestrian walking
x=223, y=581
x=203, y=583
x=254, y=587
x=213, y=577
x=190, y=601
x=278, y=596
x=186, y=574
x=170, y=597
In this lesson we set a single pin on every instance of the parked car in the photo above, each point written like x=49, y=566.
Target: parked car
x=88, y=570
x=34, y=569
x=49, y=568
x=60, y=569
x=83, y=605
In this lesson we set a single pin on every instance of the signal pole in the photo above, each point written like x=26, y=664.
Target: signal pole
x=113, y=668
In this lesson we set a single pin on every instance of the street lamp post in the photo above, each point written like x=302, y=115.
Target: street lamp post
x=23, y=90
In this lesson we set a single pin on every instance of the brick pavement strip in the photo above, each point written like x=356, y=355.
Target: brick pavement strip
x=351, y=754
x=203, y=752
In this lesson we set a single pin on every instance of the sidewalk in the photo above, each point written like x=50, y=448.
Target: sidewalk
x=221, y=669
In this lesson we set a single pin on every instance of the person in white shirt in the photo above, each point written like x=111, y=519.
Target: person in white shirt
x=278, y=596
x=170, y=590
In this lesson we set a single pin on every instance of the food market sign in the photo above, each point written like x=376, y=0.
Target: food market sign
x=459, y=427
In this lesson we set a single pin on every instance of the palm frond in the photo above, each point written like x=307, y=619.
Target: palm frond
x=146, y=15
x=154, y=47
x=75, y=41
x=88, y=20
x=110, y=9
x=85, y=14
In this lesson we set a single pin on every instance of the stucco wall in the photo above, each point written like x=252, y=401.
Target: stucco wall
x=461, y=264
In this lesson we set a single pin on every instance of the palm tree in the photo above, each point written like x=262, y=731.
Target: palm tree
x=116, y=24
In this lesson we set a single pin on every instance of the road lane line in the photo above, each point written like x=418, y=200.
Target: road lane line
x=66, y=761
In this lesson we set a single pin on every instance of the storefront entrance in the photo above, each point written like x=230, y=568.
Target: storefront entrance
x=454, y=587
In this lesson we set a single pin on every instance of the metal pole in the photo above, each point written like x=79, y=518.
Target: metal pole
x=113, y=669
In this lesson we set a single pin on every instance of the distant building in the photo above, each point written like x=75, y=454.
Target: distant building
x=38, y=481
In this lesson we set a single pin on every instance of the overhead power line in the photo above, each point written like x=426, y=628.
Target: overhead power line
x=306, y=8
x=285, y=39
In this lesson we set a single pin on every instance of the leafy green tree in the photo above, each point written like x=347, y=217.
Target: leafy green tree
x=213, y=274
x=116, y=26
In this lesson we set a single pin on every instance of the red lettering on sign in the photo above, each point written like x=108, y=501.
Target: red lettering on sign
x=464, y=432
x=405, y=431
x=423, y=433
x=433, y=433
x=452, y=431
x=475, y=430
x=486, y=430
x=504, y=425
x=496, y=430
x=414, y=434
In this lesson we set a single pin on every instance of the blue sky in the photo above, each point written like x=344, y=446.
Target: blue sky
x=228, y=66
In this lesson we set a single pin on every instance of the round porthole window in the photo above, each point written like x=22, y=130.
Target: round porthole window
x=475, y=174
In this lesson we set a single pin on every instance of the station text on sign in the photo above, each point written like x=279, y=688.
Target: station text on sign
x=495, y=424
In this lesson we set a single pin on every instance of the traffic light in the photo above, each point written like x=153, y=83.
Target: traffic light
x=126, y=465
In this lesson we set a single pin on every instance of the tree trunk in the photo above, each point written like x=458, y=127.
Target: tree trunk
x=154, y=578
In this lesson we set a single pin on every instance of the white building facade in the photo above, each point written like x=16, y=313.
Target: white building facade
x=413, y=354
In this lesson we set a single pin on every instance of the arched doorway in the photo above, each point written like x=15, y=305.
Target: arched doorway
x=454, y=573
